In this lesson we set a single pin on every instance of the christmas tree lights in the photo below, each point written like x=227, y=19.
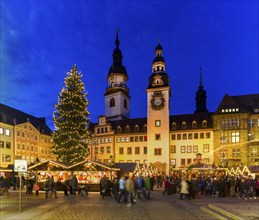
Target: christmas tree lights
x=71, y=117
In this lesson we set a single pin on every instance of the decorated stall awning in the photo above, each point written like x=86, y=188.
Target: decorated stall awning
x=86, y=165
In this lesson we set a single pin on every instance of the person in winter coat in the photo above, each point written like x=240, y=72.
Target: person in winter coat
x=242, y=188
x=147, y=187
x=166, y=186
x=74, y=183
x=47, y=186
x=130, y=190
x=194, y=187
x=184, y=189
x=122, y=189
x=53, y=188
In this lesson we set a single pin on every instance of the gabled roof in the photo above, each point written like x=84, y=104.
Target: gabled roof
x=126, y=167
x=245, y=103
x=13, y=117
x=131, y=123
x=189, y=118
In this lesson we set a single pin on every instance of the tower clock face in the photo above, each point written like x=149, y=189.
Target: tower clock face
x=157, y=101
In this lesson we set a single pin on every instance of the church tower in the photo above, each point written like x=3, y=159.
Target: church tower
x=158, y=114
x=117, y=99
x=201, y=97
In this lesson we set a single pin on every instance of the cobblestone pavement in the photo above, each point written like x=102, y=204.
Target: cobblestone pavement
x=94, y=207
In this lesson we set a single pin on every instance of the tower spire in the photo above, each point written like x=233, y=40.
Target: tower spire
x=117, y=41
x=201, y=77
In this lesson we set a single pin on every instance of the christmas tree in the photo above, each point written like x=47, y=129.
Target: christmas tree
x=71, y=135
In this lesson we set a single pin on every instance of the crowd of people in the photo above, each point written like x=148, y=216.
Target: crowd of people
x=130, y=188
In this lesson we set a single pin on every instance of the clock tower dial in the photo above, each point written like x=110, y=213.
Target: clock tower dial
x=157, y=101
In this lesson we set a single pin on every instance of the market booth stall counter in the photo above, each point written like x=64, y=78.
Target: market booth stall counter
x=87, y=172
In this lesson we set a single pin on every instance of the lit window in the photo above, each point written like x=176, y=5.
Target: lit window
x=127, y=139
x=157, y=151
x=118, y=140
x=157, y=123
x=189, y=149
x=122, y=139
x=6, y=158
x=182, y=149
x=195, y=149
x=235, y=137
x=173, y=149
x=236, y=152
x=206, y=148
x=1, y=131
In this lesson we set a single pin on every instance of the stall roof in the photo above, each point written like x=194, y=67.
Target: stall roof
x=51, y=162
x=103, y=165
x=126, y=167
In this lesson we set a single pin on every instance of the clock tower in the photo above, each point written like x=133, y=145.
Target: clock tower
x=158, y=114
x=117, y=99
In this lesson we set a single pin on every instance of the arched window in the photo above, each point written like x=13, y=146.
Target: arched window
x=112, y=102
x=127, y=128
x=184, y=125
x=119, y=129
x=194, y=124
x=125, y=104
x=112, y=84
x=204, y=124
x=136, y=128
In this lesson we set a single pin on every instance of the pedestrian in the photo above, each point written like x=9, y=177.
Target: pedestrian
x=47, y=186
x=140, y=186
x=122, y=189
x=66, y=186
x=14, y=182
x=74, y=183
x=115, y=188
x=251, y=194
x=147, y=187
x=242, y=189
x=36, y=188
x=53, y=188
x=166, y=186
x=233, y=183
x=184, y=189
x=194, y=187
x=130, y=190
x=5, y=185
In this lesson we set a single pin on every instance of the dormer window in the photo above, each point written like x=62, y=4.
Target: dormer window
x=119, y=129
x=194, y=124
x=184, y=125
x=136, y=128
x=204, y=124
x=174, y=126
x=127, y=128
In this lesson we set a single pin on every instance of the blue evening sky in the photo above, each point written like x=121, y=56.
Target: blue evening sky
x=41, y=40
